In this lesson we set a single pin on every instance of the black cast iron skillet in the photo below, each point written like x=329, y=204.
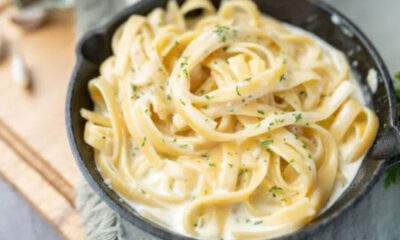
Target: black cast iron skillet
x=313, y=16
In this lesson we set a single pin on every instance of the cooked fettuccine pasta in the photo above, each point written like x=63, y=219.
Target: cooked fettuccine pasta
x=225, y=123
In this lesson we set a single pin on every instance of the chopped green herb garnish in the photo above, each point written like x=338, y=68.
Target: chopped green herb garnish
x=260, y=111
x=205, y=106
x=104, y=137
x=248, y=79
x=237, y=91
x=143, y=191
x=207, y=97
x=303, y=93
x=275, y=190
x=182, y=102
x=211, y=164
x=144, y=141
x=205, y=156
x=258, y=222
x=222, y=31
x=133, y=86
x=282, y=78
x=267, y=142
x=183, y=146
x=230, y=165
x=291, y=161
x=298, y=117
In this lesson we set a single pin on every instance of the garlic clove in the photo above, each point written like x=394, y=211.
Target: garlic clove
x=20, y=73
x=30, y=18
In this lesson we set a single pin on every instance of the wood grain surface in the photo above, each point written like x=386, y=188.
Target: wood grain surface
x=35, y=156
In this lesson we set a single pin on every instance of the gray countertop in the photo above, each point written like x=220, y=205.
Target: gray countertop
x=380, y=20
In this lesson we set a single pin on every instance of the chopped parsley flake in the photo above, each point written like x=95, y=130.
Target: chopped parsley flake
x=303, y=93
x=143, y=191
x=248, y=79
x=211, y=164
x=298, y=117
x=275, y=191
x=237, y=91
x=207, y=97
x=258, y=222
x=205, y=156
x=230, y=165
x=222, y=31
x=104, y=137
x=182, y=102
x=133, y=86
x=144, y=141
x=282, y=78
x=260, y=111
x=267, y=142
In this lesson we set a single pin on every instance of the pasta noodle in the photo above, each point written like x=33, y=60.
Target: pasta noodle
x=224, y=123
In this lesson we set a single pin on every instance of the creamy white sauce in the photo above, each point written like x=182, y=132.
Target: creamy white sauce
x=171, y=217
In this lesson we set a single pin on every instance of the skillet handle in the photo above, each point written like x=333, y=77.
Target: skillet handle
x=387, y=145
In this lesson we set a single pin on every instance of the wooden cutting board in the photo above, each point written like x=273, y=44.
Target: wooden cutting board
x=35, y=157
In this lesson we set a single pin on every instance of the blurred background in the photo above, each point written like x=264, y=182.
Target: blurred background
x=38, y=172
